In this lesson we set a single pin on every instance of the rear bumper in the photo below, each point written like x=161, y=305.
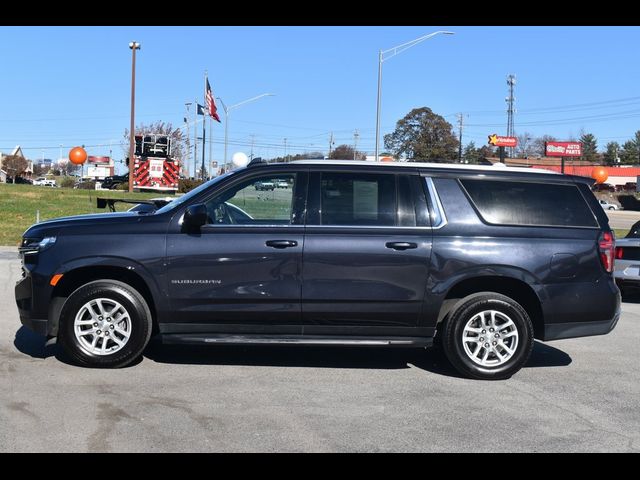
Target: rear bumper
x=557, y=331
x=627, y=272
x=579, y=329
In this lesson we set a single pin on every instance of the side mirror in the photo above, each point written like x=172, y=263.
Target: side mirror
x=195, y=216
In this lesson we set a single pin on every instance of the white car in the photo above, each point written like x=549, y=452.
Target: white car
x=44, y=182
x=627, y=263
x=608, y=206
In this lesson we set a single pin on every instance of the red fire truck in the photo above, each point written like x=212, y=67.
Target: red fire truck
x=154, y=167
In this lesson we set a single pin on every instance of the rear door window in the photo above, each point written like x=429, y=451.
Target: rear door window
x=528, y=203
x=358, y=199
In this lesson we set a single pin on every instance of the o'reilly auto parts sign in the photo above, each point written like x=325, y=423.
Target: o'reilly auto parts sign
x=563, y=149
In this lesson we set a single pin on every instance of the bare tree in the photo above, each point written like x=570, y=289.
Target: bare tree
x=538, y=146
x=525, y=145
x=180, y=143
x=14, y=165
x=39, y=170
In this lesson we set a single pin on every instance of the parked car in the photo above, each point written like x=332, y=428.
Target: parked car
x=627, y=266
x=85, y=184
x=603, y=187
x=480, y=260
x=45, y=182
x=139, y=205
x=282, y=184
x=608, y=206
x=630, y=187
x=264, y=185
x=19, y=180
x=113, y=181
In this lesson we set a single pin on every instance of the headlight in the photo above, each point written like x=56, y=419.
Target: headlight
x=36, y=245
x=46, y=242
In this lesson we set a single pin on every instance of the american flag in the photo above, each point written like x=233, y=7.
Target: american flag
x=211, y=103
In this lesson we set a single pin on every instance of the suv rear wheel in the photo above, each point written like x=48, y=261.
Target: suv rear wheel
x=105, y=323
x=487, y=336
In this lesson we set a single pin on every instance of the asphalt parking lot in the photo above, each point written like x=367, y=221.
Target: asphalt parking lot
x=574, y=395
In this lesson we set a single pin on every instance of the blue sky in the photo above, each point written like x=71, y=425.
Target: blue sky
x=71, y=85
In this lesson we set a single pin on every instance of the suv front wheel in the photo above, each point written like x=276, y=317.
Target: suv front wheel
x=487, y=336
x=105, y=323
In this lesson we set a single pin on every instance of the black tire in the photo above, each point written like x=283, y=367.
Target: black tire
x=611, y=208
x=125, y=295
x=462, y=312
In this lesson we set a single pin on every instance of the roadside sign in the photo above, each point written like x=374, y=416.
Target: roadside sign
x=563, y=149
x=501, y=141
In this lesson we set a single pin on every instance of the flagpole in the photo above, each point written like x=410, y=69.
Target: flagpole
x=204, y=123
x=210, y=145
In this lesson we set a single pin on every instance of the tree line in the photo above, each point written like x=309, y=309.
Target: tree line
x=424, y=135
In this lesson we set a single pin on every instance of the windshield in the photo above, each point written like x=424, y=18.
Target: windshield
x=185, y=198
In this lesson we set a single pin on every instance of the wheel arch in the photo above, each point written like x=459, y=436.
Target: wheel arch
x=74, y=278
x=512, y=287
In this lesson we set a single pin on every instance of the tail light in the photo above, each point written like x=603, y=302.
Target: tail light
x=607, y=245
x=619, y=252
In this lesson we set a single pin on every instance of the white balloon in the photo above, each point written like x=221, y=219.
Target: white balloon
x=240, y=159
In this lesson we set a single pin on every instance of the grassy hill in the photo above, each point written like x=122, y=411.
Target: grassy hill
x=19, y=204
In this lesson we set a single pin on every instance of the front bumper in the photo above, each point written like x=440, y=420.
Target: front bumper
x=24, y=301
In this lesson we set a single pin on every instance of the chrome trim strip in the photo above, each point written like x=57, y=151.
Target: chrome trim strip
x=433, y=196
x=436, y=203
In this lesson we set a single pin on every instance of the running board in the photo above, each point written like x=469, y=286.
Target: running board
x=328, y=340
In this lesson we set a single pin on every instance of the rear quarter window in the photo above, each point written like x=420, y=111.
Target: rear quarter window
x=529, y=203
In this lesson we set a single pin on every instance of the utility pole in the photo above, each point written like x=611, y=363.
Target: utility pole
x=460, y=116
x=355, y=143
x=186, y=126
x=132, y=139
x=330, y=144
x=253, y=139
x=285, y=150
x=195, y=139
x=511, y=81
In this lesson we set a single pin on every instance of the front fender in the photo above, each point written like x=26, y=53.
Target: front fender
x=153, y=277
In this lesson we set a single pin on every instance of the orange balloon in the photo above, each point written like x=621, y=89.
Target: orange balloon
x=600, y=174
x=77, y=155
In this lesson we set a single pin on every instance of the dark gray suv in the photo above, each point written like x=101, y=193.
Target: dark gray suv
x=481, y=260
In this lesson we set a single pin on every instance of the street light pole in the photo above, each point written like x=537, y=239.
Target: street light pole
x=226, y=130
x=133, y=46
x=381, y=58
x=376, y=158
x=227, y=111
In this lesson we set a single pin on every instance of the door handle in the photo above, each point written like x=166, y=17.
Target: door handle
x=281, y=243
x=401, y=245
